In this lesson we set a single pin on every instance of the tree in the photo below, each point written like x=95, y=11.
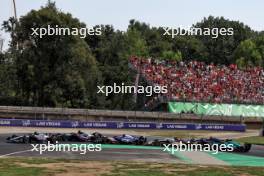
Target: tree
x=137, y=44
x=250, y=53
x=155, y=42
x=190, y=48
x=220, y=50
x=54, y=70
x=112, y=50
x=173, y=56
x=7, y=80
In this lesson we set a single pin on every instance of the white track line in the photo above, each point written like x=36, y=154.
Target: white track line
x=13, y=153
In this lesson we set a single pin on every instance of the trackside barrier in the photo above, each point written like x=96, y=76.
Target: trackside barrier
x=238, y=110
x=18, y=111
x=71, y=111
x=120, y=125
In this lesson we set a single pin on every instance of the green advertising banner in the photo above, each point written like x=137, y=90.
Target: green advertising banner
x=217, y=109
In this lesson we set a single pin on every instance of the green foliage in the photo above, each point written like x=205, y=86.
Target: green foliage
x=112, y=50
x=173, y=56
x=137, y=45
x=190, y=48
x=53, y=70
x=220, y=50
x=250, y=53
x=155, y=42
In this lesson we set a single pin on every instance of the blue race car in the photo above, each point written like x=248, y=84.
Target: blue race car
x=129, y=139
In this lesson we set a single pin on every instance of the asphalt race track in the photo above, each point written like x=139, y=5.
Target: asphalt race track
x=256, y=150
x=24, y=150
x=114, y=152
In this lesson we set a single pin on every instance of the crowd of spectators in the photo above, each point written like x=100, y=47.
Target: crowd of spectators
x=199, y=82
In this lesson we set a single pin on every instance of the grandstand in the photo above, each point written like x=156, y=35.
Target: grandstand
x=196, y=81
x=196, y=87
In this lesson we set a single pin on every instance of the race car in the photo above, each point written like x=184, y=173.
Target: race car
x=80, y=136
x=235, y=146
x=98, y=138
x=31, y=138
x=129, y=139
x=160, y=142
x=76, y=137
x=17, y=139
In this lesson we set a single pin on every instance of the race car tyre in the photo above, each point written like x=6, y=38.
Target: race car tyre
x=25, y=140
x=247, y=147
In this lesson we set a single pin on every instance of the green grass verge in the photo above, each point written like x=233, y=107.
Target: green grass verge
x=8, y=168
x=27, y=167
x=12, y=167
x=252, y=140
